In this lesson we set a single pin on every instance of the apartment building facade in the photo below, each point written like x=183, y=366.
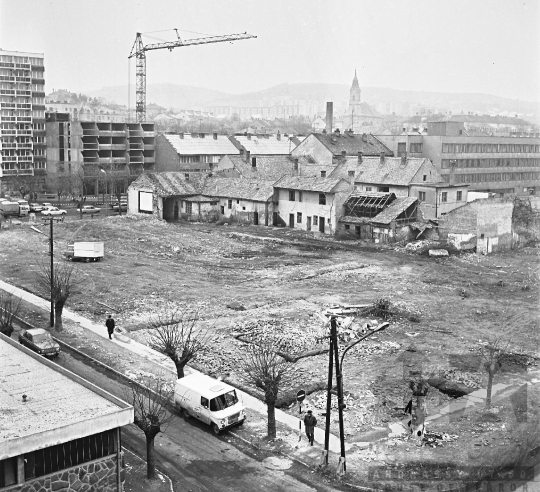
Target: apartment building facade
x=22, y=120
x=502, y=165
x=99, y=157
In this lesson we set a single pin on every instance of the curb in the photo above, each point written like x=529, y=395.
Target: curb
x=157, y=471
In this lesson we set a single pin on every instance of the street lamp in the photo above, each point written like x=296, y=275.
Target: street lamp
x=334, y=354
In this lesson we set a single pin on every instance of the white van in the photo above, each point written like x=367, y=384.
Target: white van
x=214, y=402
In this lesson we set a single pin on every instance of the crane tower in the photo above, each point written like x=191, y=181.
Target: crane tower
x=139, y=52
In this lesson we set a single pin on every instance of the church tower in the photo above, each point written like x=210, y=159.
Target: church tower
x=354, y=97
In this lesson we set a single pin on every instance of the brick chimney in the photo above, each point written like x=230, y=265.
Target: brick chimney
x=214, y=135
x=359, y=157
x=248, y=136
x=404, y=158
x=248, y=156
x=344, y=154
x=329, y=116
x=364, y=137
x=278, y=135
x=382, y=157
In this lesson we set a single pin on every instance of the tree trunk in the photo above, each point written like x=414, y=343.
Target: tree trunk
x=419, y=413
x=489, y=387
x=58, y=308
x=271, y=420
x=179, y=369
x=150, y=457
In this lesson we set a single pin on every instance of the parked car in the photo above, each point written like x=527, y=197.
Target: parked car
x=123, y=206
x=47, y=204
x=40, y=341
x=89, y=209
x=53, y=211
x=36, y=207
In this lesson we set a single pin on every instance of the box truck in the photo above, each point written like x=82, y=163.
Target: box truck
x=10, y=209
x=212, y=401
x=85, y=251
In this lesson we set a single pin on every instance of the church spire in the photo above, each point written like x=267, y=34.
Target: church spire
x=355, y=91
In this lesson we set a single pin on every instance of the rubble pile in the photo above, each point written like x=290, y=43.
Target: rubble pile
x=469, y=379
x=434, y=439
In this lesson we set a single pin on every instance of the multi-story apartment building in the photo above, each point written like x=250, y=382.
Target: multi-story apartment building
x=503, y=165
x=22, y=119
x=102, y=157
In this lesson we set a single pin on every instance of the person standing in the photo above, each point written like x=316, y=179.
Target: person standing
x=110, y=326
x=309, y=423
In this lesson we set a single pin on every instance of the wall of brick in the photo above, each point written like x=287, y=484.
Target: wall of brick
x=99, y=475
x=166, y=156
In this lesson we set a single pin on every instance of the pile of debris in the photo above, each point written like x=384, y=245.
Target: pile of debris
x=434, y=439
x=471, y=380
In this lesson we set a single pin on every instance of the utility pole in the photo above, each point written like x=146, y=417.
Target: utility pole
x=51, y=252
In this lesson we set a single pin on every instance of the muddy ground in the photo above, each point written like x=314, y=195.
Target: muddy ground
x=275, y=281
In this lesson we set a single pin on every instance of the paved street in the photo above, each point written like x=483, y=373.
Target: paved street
x=193, y=457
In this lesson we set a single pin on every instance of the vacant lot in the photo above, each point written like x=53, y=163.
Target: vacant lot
x=443, y=309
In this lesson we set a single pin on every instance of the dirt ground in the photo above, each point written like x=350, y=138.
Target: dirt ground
x=274, y=283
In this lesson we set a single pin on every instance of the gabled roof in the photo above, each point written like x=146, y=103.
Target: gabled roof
x=352, y=143
x=240, y=188
x=391, y=172
x=321, y=185
x=397, y=207
x=260, y=145
x=208, y=145
x=167, y=184
x=272, y=167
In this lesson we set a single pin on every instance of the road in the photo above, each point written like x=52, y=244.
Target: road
x=192, y=455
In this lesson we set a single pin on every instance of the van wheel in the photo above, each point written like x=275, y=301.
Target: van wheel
x=87, y=260
x=216, y=429
x=186, y=413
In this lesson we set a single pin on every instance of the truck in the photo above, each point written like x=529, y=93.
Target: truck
x=210, y=400
x=24, y=207
x=85, y=251
x=11, y=209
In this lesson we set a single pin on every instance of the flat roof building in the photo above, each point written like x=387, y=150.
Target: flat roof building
x=57, y=430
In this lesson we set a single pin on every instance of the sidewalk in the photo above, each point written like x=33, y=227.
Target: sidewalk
x=159, y=359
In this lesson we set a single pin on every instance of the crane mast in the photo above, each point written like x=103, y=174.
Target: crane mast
x=139, y=52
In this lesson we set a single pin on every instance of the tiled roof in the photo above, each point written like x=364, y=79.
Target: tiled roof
x=273, y=167
x=322, y=185
x=391, y=172
x=352, y=144
x=398, y=206
x=266, y=145
x=208, y=145
x=351, y=219
x=244, y=189
x=167, y=184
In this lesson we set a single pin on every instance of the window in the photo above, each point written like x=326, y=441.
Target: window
x=424, y=177
x=237, y=202
x=401, y=148
x=347, y=227
x=229, y=204
x=315, y=220
x=8, y=472
x=253, y=162
x=459, y=196
x=189, y=207
x=322, y=199
x=444, y=196
x=300, y=196
x=186, y=176
x=243, y=208
x=416, y=148
x=422, y=196
x=323, y=174
x=291, y=195
x=298, y=217
x=357, y=230
x=204, y=402
x=351, y=174
x=222, y=402
x=368, y=188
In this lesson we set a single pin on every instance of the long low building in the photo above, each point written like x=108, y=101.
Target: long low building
x=58, y=432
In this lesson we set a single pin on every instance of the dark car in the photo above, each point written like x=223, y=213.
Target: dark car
x=40, y=341
x=122, y=206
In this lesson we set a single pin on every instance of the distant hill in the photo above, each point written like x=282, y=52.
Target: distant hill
x=186, y=97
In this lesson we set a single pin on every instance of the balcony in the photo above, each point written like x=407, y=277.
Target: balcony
x=149, y=134
x=7, y=119
x=117, y=133
x=87, y=132
x=38, y=81
x=22, y=66
x=25, y=106
x=24, y=93
x=25, y=80
x=149, y=147
x=24, y=145
x=112, y=147
x=18, y=172
x=8, y=145
x=7, y=92
x=7, y=78
x=8, y=105
x=9, y=158
x=6, y=65
x=9, y=132
x=21, y=131
x=24, y=119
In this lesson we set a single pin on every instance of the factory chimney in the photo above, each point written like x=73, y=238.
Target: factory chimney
x=329, y=116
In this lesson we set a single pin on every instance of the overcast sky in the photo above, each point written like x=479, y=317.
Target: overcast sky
x=488, y=46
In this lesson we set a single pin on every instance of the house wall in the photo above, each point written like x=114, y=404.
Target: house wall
x=200, y=211
x=398, y=190
x=99, y=475
x=166, y=156
x=432, y=207
x=244, y=210
x=225, y=167
x=313, y=147
x=309, y=207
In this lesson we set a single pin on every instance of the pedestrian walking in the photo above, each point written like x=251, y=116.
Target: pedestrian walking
x=309, y=423
x=110, y=325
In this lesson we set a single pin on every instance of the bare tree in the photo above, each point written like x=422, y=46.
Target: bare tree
x=64, y=280
x=151, y=400
x=9, y=308
x=269, y=372
x=492, y=358
x=178, y=336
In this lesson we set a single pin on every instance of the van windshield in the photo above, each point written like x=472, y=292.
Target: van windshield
x=223, y=401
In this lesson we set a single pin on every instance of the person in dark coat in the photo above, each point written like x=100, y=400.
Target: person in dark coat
x=309, y=423
x=110, y=325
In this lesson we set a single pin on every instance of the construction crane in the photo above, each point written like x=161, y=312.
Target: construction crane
x=139, y=52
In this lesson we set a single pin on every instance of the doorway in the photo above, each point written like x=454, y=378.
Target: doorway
x=175, y=210
x=321, y=224
x=255, y=218
x=308, y=225
x=291, y=220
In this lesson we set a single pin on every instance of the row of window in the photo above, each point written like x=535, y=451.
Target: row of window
x=293, y=194
x=474, y=163
x=454, y=148
x=59, y=457
x=444, y=196
x=490, y=177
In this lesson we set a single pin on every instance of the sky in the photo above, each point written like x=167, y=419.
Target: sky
x=478, y=46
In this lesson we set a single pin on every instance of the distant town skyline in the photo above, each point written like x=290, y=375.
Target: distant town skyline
x=486, y=46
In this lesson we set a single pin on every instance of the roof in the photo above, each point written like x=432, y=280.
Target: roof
x=352, y=144
x=269, y=145
x=392, y=212
x=354, y=220
x=204, y=385
x=56, y=399
x=167, y=184
x=273, y=167
x=321, y=185
x=240, y=188
x=190, y=145
x=391, y=172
